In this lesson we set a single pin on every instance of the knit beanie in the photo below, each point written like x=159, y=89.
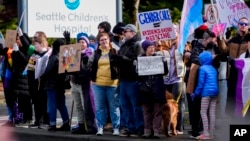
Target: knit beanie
x=105, y=25
x=92, y=37
x=83, y=36
x=118, y=28
x=145, y=44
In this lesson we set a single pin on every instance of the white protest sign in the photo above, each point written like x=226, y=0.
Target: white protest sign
x=150, y=65
x=230, y=11
x=212, y=14
x=156, y=25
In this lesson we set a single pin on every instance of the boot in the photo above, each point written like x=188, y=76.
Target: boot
x=79, y=130
x=64, y=127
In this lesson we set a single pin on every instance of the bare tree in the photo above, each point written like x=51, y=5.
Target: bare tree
x=135, y=12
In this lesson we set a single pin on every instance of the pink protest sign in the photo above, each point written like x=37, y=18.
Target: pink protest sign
x=219, y=28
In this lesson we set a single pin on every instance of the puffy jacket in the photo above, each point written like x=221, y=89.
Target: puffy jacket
x=207, y=78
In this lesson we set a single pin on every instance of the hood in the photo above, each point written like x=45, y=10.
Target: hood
x=56, y=45
x=206, y=58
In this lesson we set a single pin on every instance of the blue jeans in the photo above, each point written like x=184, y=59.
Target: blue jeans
x=223, y=96
x=101, y=95
x=130, y=105
x=56, y=100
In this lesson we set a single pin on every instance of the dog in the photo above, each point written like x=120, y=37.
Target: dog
x=169, y=113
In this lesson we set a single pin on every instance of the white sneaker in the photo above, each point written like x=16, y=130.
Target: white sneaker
x=99, y=132
x=116, y=132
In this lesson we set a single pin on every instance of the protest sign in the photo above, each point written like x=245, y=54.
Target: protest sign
x=230, y=11
x=10, y=38
x=219, y=28
x=150, y=65
x=212, y=14
x=156, y=25
x=69, y=58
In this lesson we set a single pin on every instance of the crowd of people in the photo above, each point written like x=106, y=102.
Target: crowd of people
x=108, y=88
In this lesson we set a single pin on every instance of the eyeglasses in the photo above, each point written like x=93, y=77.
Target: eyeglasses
x=103, y=39
x=243, y=24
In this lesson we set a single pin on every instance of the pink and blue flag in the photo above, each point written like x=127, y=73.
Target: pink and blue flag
x=191, y=18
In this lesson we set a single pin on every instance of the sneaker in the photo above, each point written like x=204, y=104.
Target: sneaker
x=35, y=125
x=43, y=126
x=194, y=135
x=204, y=137
x=179, y=132
x=99, y=132
x=147, y=134
x=156, y=135
x=52, y=128
x=116, y=132
x=23, y=124
x=128, y=134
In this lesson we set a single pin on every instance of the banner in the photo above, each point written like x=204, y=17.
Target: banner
x=69, y=58
x=150, y=65
x=230, y=11
x=156, y=25
x=243, y=86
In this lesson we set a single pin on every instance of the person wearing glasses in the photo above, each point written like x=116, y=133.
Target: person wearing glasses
x=234, y=48
x=104, y=76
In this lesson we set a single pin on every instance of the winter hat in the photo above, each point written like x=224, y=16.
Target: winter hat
x=83, y=36
x=105, y=25
x=145, y=44
x=198, y=32
x=92, y=37
x=118, y=28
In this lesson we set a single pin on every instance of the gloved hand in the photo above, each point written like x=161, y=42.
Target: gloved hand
x=66, y=35
x=192, y=96
x=20, y=32
x=15, y=47
x=84, y=59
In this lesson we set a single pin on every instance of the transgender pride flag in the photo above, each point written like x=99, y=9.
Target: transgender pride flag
x=242, y=93
x=191, y=18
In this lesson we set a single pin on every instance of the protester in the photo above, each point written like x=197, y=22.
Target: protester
x=104, y=78
x=128, y=53
x=55, y=90
x=81, y=89
x=37, y=85
x=207, y=89
x=153, y=100
x=173, y=80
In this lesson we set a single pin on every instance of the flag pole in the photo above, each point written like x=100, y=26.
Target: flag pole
x=216, y=20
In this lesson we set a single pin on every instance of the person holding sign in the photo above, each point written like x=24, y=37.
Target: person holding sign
x=173, y=81
x=54, y=84
x=153, y=99
x=104, y=76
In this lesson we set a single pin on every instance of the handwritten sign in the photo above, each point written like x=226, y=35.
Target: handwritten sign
x=220, y=28
x=156, y=25
x=10, y=38
x=232, y=10
x=150, y=65
x=69, y=58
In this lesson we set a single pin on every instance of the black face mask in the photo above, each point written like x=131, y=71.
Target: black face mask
x=116, y=38
x=211, y=45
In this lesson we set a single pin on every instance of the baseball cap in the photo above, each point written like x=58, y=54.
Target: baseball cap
x=130, y=27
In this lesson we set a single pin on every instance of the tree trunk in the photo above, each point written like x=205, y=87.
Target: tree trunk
x=135, y=12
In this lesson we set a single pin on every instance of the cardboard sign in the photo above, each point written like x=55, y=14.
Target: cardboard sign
x=10, y=38
x=150, y=65
x=219, y=28
x=69, y=58
x=156, y=25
